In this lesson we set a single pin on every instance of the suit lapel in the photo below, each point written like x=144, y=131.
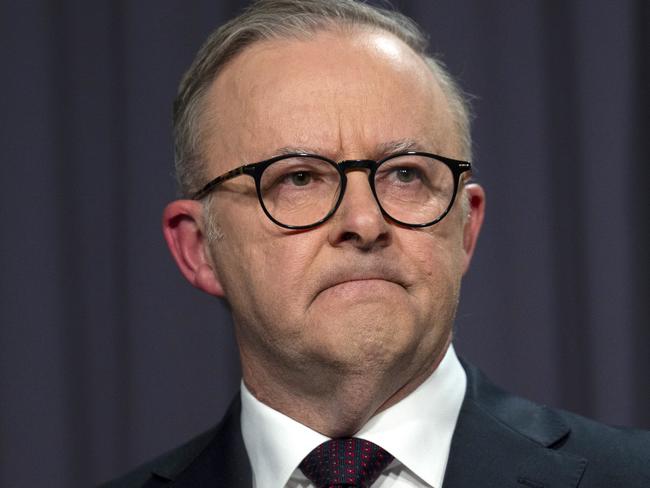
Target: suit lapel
x=222, y=463
x=506, y=441
x=499, y=440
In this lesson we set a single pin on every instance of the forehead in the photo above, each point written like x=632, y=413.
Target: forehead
x=339, y=94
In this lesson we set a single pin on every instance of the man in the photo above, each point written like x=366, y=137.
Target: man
x=323, y=156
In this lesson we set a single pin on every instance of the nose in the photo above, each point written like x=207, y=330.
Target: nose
x=359, y=222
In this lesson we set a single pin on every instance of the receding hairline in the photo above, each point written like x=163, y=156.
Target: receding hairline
x=297, y=20
x=209, y=111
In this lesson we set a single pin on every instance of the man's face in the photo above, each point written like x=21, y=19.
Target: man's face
x=359, y=291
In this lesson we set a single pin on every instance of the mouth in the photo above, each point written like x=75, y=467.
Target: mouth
x=360, y=284
x=362, y=280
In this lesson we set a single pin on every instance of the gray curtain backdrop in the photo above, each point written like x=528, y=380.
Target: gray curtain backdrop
x=107, y=357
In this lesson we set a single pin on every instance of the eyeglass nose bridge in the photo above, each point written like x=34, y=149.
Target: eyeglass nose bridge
x=350, y=164
x=356, y=164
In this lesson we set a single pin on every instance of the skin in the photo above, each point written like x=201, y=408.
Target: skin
x=338, y=322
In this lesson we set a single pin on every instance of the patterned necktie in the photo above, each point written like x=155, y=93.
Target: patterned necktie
x=345, y=462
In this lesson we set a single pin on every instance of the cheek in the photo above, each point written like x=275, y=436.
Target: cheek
x=267, y=274
x=436, y=253
x=438, y=262
x=446, y=243
x=279, y=273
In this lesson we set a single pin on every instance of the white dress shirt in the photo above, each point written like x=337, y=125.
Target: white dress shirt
x=417, y=431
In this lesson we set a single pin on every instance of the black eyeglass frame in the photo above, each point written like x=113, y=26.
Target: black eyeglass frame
x=255, y=171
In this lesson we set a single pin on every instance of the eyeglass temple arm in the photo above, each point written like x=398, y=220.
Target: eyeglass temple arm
x=211, y=185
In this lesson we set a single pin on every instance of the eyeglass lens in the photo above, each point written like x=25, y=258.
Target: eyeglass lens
x=301, y=191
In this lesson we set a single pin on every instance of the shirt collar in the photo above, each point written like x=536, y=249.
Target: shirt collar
x=275, y=443
x=417, y=430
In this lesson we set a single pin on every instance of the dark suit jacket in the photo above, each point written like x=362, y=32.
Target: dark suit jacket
x=500, y=441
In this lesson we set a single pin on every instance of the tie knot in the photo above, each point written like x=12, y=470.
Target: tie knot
x=345, y=462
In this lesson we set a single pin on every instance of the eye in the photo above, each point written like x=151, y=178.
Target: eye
x=407, y=175
x=299, y=178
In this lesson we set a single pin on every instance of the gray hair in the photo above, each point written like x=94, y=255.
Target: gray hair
x=288, y=19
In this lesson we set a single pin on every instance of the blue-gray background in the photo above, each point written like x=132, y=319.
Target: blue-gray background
x=108, y=357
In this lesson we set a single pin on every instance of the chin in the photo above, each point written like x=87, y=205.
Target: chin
x=381, y=339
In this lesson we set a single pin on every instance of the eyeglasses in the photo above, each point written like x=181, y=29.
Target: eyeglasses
x=301, y=190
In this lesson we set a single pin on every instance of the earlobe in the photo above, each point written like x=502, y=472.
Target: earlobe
x=183, y=230
x=473, y=221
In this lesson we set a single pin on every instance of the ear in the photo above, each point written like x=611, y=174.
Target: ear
x=183, y=229
x=476, y=209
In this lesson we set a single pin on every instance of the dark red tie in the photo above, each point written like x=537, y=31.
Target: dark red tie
x=345, y=462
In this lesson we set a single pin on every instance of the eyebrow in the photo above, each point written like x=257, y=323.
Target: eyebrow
x=397, y=146
x=294, y=150
x=381, y=150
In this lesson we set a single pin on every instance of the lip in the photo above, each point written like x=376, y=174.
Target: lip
x=355, y=285
x=343, y=277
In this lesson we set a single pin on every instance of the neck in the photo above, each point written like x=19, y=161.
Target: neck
x=331, y=401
